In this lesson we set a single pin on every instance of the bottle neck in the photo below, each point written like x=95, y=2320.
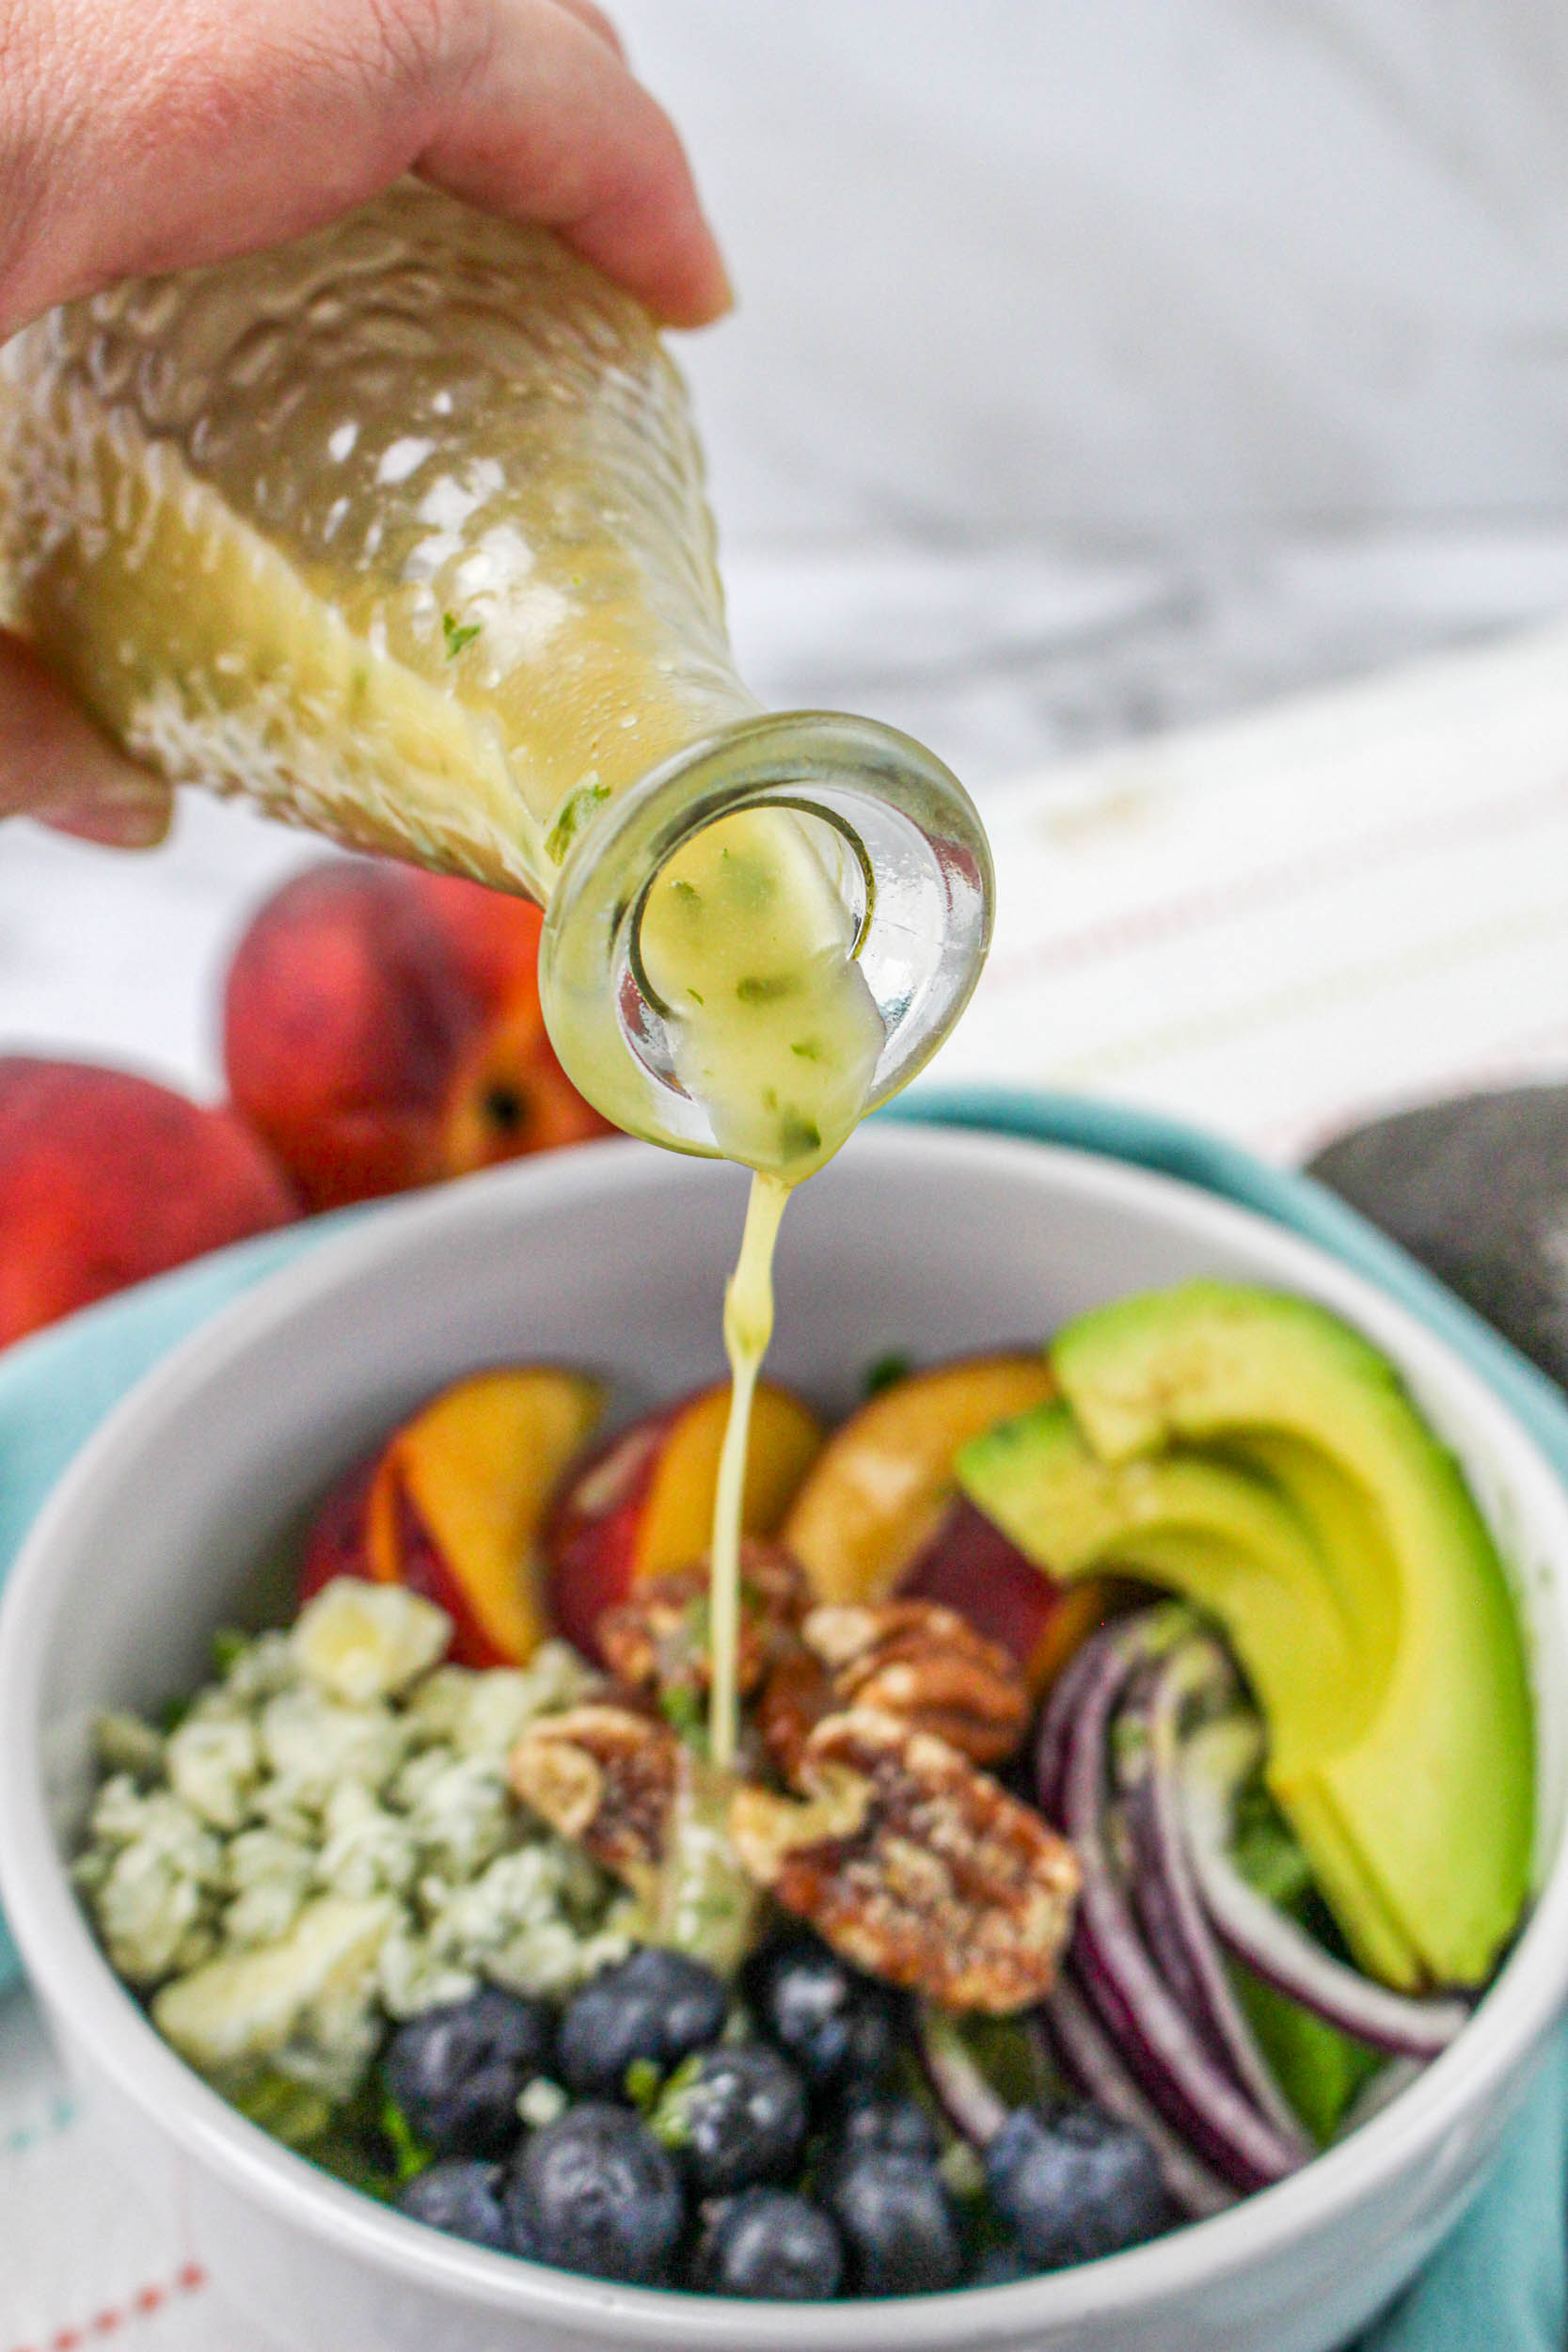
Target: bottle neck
x=840, y=859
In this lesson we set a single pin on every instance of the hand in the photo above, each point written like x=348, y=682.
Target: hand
x=143, y=135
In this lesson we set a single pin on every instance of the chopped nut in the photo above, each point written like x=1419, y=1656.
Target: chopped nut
x=914, y=1866
x=926, y=1665
x=774, y=1587
x=911, y=1659
x=659, y=1639
x=604, y=1776
x=792, y=1702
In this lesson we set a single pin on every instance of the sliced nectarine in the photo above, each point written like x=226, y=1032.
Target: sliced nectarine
x=644, y=1505
x=459, y=1495
x=338, y=1541
x=879, y=1486
x=969, y=1565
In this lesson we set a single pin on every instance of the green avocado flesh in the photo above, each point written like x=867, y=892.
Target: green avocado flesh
x=1250, y=1450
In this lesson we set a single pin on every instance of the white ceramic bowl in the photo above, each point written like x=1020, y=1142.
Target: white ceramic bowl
x=933, y=1243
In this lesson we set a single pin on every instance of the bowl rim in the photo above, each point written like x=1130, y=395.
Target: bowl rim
x=74, y=1979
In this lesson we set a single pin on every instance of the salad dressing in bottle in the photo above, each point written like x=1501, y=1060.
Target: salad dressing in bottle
x=400, y=531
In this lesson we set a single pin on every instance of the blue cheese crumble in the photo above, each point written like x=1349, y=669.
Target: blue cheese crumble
x=326, y=1840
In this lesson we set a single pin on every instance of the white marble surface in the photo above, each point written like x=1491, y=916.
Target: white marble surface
x=1279, y=924
x=1131, y=268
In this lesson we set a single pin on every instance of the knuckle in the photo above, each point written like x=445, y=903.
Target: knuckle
x=409, y=39
x=415, y=48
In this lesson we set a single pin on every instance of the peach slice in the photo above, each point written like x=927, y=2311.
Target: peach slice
x=880, y=1488
x=459, y=1495
x=643, y=1506
x=969, y=1565
x=337, y=1544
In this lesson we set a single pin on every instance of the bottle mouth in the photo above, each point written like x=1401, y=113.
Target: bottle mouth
x=844, y=855
x=895, y=832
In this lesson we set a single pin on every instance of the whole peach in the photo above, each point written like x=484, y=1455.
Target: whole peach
x=382, y=1030
x=106, y=1178
x=493, y=938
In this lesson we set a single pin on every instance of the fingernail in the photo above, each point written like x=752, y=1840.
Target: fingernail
x=725, y=295
x=713, y=300
x=129, y=824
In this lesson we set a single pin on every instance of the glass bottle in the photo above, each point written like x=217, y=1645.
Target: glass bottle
x=400, y=530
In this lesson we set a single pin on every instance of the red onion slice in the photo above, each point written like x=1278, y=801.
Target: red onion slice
x=1146, y=1746
x=1061, y=1711
x=1159, y=2043
x=1214, y=1763
x=1092, y=2064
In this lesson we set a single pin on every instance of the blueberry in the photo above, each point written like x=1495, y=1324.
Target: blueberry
x=899, y=2226
x=837, y=2026
x=658, y=2005
x=771, y=2246
x=462, y=2198
x=1000, y=2266
x=456, y=2072
x=734, y=2116
x=1074, y=2184
x=595, y=2191
x=896, y=2127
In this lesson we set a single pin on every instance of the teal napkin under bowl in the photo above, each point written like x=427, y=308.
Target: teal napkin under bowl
x=1500, y=2280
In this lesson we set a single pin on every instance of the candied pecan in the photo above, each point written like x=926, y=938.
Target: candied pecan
x=914, y=1865
x=792, y=1702
x=926, y=1665
x=774, y=1587
x=606, y=1777
x=659, y=1638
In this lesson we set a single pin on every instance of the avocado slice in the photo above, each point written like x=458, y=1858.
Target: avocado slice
x=1414, y=1796
x=1232, y=1540
x=1226, y=1537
